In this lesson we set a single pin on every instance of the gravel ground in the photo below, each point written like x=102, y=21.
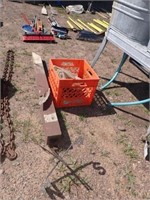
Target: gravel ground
x=107, y=152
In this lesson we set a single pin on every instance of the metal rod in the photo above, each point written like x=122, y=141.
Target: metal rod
x=100, y=51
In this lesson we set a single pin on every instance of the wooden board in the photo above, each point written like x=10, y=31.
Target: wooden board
x=50, y=120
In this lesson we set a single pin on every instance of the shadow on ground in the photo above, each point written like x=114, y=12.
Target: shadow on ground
x=7, y=88
x=99, y=107
x=139, y=89
x=52, y=189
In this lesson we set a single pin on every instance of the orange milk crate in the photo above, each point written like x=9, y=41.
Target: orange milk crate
x=68, y=92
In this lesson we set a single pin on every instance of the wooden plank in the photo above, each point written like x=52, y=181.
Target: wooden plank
x=50, y=120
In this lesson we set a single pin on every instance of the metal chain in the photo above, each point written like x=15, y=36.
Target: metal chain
x=7, y=149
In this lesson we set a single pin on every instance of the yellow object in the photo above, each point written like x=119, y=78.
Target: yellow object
x=82, y=25
x=95, y=27
x=101, y=23
x=105, y=22
x=76, y=23
x=86, y=26
x=71, y=26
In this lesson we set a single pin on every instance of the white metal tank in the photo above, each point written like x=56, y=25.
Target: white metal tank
x=149, y=46
x=129, y=30
x=131, y=18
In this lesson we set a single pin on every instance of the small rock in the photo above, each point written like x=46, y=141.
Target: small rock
x=92, y=133
x=1, y=171
x=1, y=4
x=67, y=197
x=143, y=138
x=121, y=128
x=134, y=166
x=92, y=152
x=16, y=163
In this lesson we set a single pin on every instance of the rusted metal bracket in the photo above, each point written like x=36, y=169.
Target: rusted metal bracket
x=50, y=119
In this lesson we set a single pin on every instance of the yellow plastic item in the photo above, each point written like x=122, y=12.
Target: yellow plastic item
x=105, y=22
x=95, y=27
x=82, y=24
x=86, y=26
x=71, y=26
x=76, y=23
x=101, y=23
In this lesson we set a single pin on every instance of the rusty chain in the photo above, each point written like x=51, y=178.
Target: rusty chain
x=7, y=148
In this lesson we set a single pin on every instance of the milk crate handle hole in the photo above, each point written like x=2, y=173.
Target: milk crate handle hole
x=89, y=72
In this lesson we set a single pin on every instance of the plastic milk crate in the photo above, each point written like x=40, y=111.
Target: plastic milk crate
x=69, y=92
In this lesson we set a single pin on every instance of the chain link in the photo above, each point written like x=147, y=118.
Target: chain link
x=7, y=149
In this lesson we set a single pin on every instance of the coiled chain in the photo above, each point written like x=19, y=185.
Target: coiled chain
x=7, y=148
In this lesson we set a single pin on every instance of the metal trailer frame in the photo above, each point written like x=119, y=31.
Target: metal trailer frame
x=130, y=48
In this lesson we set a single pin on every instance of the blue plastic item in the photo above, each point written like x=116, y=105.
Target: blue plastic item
x=27, y=28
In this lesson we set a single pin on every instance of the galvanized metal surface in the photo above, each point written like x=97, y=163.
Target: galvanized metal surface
x=129, y=31
x=131, y=18
x=149, y=45
x=50, y=120
x=135, y=50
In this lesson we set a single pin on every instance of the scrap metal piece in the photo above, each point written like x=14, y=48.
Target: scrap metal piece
x=50, y=120
x=47, y=183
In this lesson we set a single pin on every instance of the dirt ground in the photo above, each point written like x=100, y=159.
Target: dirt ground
x=107, y=152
